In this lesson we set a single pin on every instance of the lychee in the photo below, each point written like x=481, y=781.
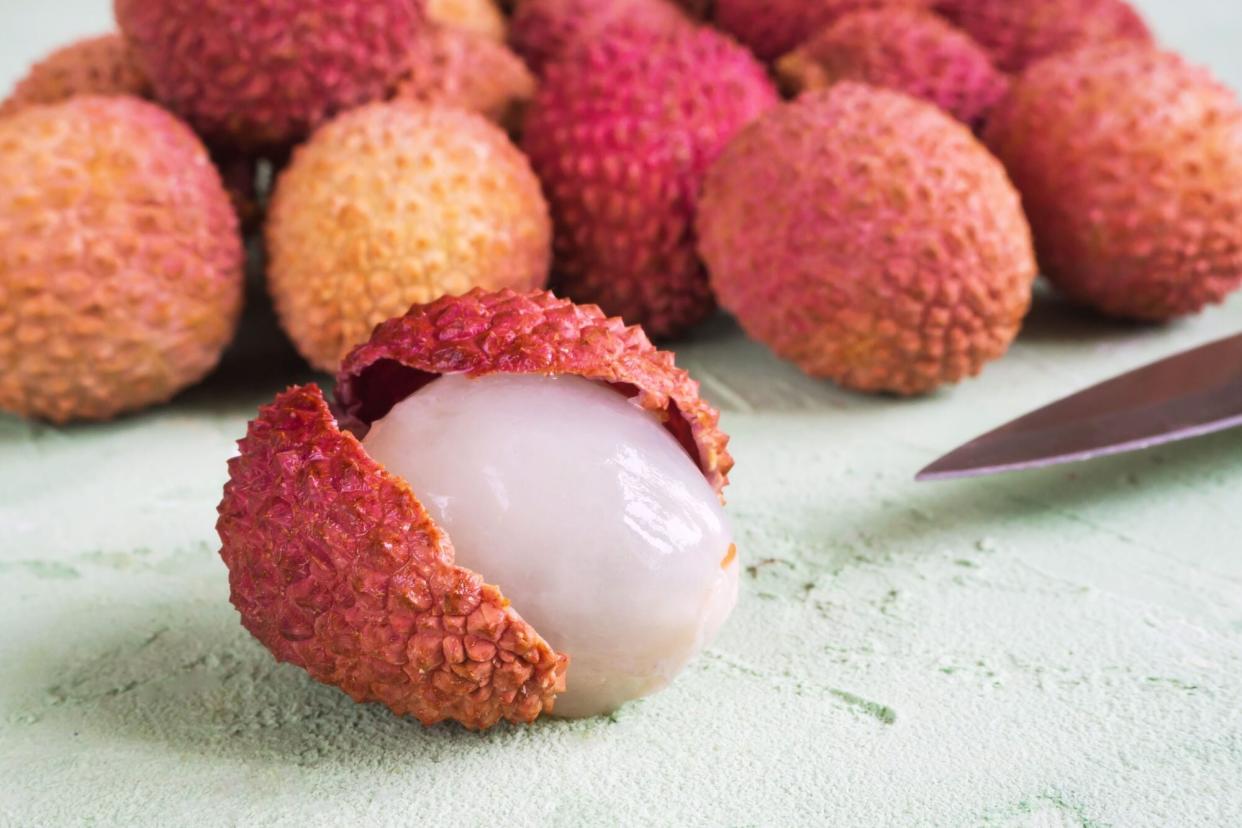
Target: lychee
x=544, y=30
x=457, y=68
x=869, y=238
x=392, y=204
x=480, y=17
x=907, y=50
x=120, y=261
x=1017, y=34
x=573, y=465
x=621, y=134
x=772, y=28
x=256, y=73
x=101, y=65
x=1129, y=161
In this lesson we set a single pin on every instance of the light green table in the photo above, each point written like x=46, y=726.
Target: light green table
x=1059, y=648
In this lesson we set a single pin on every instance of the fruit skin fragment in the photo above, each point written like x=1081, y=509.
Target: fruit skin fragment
x=1020, y=34
x=335, y=567
x=261, y=74
x=102, y=65
x=532, y=333
x=906, y=50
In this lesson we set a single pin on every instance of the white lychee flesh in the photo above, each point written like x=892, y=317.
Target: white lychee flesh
x=586, y=512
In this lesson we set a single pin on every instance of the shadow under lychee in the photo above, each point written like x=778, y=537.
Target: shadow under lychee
x=202, y=686
x=1055, y=319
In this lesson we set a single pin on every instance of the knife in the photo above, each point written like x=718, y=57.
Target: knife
x=1191, y=394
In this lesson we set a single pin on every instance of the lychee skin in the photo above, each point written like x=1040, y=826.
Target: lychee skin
x=266, y=72
x=870, y=239
x=101, y=65
x=392, y=204
x=336, y=567
x=1129, y=161
x=456, y=68
x=120, y=260
x=480, y=17
x=772, y=28
x=543, y=31
x=484, y=333
x=621, y=134
x=1018, y=34
x=906, y=50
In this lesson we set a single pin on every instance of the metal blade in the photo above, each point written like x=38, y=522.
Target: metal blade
x=1191, y=394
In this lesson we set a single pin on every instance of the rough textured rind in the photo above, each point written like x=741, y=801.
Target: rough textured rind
x=461, y=69
x=120, y=261
x=1129, y=161
x=623, y=170
x=535, y=333
x=480, y=17
x=266, y=72
x=869, y=238
x=393, y=204
x=907, y=50
x=336, y=567
x=101, y=65
x=545, y=30
x=1017, y=34
x=772, y=28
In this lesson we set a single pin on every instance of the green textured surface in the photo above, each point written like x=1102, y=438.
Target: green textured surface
x=1058, y=648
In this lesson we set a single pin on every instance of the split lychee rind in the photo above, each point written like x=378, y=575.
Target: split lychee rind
x=266, y=72
x=1129, y=161
x=336, y=567
x=543, y=31
x=392, y=204
x=120, y=259
x=907, y=50
x=1018, y=34
x=774, y=27
x=621, y=133
x=534, y=333
x=869, y=238
x=102, y=65
x=463, y=69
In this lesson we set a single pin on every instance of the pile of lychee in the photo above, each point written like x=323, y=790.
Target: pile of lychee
x=869, y=186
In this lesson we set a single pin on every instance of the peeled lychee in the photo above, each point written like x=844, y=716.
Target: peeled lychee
x=1129, y=161
x=393, y=204
x=583, y=506
x=772, y=28
x=544, y=30
x=575, y=467
x=120, y=260
x=905, y=50
x=101, y=65
x=1017, y=34
x=621, y=134
x=869, y=238
x=480, y=17
x=461, y=69
x=255, y=73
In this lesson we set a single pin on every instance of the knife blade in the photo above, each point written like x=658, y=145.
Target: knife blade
x=1187, y=395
